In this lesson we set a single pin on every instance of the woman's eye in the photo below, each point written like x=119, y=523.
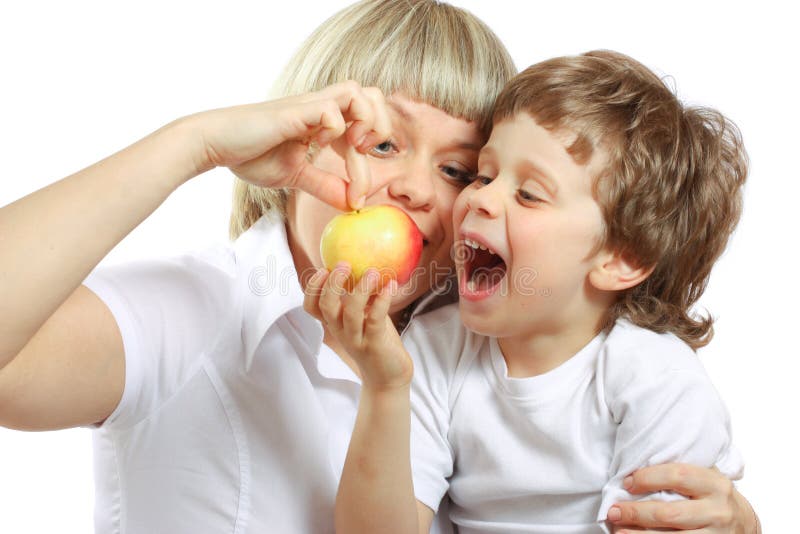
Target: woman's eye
x=458, y=176
x=383, y=149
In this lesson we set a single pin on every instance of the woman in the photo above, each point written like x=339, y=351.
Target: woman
x=220, y=405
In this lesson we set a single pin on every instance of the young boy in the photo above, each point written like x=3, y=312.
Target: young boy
x=600, y=206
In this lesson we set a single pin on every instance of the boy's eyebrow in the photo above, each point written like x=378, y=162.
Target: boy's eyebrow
x=468, y=146
x=526, y=168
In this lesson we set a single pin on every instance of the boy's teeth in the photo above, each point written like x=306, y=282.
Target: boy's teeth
x=471, y=285
x=475, y=244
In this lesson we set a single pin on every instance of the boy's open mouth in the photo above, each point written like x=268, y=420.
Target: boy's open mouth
x=484, y=270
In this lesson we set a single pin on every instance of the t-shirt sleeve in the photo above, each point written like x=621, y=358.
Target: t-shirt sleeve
x=435, y=341
x=667, y=410
x=169, y=312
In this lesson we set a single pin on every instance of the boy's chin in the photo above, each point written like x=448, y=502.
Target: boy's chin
x=477, y=323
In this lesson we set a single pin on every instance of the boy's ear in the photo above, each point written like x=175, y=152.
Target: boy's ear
x=615, y=271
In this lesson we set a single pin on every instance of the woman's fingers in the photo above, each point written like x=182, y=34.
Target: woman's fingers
x=681, y=515
x=688, y=480
x=360, y=178
x=633, y=530
x=382, y=126
x=331, y=125
x=713, y=507
x=330, y=188
x=364, y=110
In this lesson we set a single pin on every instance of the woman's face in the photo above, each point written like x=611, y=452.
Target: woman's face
x=421, y=169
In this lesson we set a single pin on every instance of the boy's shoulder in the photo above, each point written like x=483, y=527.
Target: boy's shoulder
x=440, y=335
x=631, y=352
x=442, y=325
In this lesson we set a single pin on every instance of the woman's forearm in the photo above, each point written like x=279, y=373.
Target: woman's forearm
x=376, y=489
x=51, y=239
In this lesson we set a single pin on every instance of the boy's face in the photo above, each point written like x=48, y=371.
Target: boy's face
x=531, y=205
x=429, y=159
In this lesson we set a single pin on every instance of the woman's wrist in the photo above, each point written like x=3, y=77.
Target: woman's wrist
x=185, y=136
x=751, y=520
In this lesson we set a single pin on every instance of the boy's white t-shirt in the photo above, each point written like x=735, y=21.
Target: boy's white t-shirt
x=547, y=454
x=235, y=417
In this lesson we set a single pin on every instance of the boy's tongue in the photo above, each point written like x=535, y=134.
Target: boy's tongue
x=486, y=278
x=487, y=271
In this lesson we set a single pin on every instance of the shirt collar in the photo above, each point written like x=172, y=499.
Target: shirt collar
x=267, y=278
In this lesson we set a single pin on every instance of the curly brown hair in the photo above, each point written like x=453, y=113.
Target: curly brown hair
x=671, y=194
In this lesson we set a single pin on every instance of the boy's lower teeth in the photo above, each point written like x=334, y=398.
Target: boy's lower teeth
x=485, y=279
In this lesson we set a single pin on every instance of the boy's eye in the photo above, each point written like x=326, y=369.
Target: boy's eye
x=383, y=149
x=482, y=180
x=528, y=197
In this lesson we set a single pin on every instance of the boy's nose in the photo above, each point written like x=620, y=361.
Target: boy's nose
x=414, y=187
x=484, y=201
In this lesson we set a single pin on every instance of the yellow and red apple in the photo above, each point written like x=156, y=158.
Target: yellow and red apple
x=382, y=237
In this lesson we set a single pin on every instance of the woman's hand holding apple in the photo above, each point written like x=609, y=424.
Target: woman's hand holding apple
x=360, y=320
x=267, y=143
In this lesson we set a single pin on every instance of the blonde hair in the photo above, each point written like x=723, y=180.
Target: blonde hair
x=671, y=194
x=430, y=51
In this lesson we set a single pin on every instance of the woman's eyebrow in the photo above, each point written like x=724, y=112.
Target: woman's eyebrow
x=410, y=118
x=402, y=111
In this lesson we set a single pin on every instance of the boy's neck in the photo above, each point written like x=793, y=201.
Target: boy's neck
x=539, y=352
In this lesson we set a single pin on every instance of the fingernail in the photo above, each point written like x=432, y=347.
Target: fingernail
x=627, y=482
x=614, y=514
x=360, y=201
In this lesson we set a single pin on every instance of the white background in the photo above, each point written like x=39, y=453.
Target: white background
x=83, y=79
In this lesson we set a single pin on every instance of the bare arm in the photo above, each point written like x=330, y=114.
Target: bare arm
x=52, y=238
x=61, y=354
x=376, y=492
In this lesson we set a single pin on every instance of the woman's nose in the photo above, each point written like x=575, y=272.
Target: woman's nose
x=414, y=187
